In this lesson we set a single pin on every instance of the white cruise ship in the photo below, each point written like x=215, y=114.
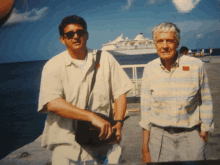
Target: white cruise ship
x=139, y=45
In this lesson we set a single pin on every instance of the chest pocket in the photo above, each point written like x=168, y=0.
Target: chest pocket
x=160, y=97
x=160, y=88
x=100, y=94
x=187, y=88
x=189, y=82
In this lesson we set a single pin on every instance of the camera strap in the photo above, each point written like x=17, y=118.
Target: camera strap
x=96, y=66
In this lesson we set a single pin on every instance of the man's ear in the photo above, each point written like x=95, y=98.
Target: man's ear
x=87, y=35
x=62, y=40
x=177, y=45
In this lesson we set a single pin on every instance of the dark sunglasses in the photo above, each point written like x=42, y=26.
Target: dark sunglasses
x=71, y=34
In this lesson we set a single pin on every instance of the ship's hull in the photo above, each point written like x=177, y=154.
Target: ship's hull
x=133, y=51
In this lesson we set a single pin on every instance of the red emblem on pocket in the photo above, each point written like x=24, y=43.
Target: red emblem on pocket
x=185, y=68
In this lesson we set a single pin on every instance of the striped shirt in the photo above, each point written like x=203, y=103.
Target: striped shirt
x=178, y=98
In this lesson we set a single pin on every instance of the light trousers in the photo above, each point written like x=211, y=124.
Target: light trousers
x=184, y=146
x=108, y=154
x=58, y=158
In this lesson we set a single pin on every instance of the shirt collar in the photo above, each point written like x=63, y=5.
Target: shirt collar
x=176, y=64
x=69, y=60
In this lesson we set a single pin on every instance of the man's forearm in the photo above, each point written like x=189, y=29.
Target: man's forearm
x=64, y=109
x=146, y=138
x=120, y=107
x=146, y=158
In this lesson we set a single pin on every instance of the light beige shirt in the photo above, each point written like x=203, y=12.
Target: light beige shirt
x=62, y=78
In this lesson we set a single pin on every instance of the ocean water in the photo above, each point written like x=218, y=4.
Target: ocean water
x=20, y=123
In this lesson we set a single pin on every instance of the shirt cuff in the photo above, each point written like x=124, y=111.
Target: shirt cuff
x=206, y=127
x=121, y=92
x=43, y=101
x=145, y=124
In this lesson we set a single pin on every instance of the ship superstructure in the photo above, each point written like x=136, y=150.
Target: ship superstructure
x=138, y=45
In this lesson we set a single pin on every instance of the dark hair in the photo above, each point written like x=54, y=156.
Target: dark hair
x=72, y=19
x=184, y=49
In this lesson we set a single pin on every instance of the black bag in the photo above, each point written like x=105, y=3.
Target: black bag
x=86, y=133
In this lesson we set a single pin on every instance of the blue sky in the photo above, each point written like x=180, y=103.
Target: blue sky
x=32, y=34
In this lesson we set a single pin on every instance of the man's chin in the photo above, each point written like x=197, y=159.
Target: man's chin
x=78, y=48
x=167, y=56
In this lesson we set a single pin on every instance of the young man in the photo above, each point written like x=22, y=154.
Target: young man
x=176, y=104
x=65, y=89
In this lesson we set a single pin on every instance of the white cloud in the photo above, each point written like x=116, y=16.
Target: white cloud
x=185, y=6
x=199, y=35
x=155, y=1
x=33, y=15
x=128, y=6
x=199, y=26
x=189, y=25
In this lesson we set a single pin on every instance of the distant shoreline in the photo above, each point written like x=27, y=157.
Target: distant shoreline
x=215, y=51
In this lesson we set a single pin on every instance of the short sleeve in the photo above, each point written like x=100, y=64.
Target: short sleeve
x=51, y=85
x=120, y=82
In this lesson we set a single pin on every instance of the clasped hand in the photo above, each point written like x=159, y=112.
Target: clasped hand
x=106, y=130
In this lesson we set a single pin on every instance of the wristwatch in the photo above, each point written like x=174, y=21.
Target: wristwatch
x=121, y=121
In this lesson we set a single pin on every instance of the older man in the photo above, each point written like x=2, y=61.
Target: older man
x=65, y=94
x=176, y=104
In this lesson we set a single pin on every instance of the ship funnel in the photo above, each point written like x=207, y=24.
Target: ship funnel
x=139, y=37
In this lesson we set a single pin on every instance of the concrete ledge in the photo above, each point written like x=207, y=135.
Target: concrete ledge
x=31, y=153
x=210, y=59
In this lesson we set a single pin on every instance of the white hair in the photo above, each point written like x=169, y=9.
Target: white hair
x=165, y=27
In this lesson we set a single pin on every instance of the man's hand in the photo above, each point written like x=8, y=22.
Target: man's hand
x=103, y=125
x=204, y=136
x=117, y=129
x=146, y=156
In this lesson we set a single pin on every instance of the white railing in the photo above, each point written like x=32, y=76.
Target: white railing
x=134, y=79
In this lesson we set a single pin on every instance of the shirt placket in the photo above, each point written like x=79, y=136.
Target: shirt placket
x=171, y=89
x=171, y=79
x=174, y=96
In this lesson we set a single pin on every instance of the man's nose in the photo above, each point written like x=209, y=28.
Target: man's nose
x=164, y=44
x=76, y=35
